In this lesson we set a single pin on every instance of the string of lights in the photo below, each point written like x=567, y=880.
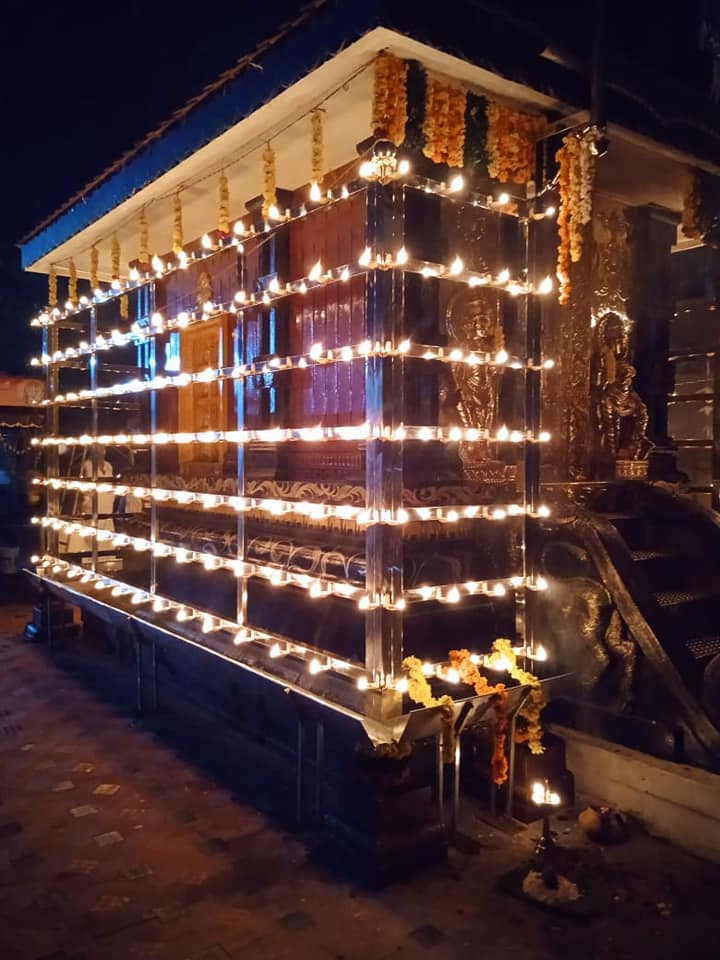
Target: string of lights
x=317, y=356
x=317, y=661
x=279, y=576
x=212, y=245
x=361, y=516
x=318, y=434
x=316, y=278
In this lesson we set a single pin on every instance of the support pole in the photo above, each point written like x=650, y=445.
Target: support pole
x=138, y=674
x=319, y=767
x=299, y=770
x=384, y=457
x=440, y=780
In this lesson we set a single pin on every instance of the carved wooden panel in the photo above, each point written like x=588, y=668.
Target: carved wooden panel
x=205, y=406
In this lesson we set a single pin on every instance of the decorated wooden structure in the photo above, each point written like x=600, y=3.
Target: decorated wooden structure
x=313, y=345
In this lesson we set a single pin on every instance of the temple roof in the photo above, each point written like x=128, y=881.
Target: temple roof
x=327, y=50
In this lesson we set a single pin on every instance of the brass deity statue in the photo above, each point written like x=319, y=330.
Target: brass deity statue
x=621, y=415
x=472, y=322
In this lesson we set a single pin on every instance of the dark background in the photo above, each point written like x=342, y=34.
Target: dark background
x=81, y=84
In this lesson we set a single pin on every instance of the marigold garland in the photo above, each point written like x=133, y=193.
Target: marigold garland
x=563, y=221
x=72, y=283
x=420, y=692
x=503, y=656
x=470, y=674
x=223, y=205
x=316, y=152
x=124, y=307
x=531, y=710
x=389, y=106
x=511, y=137
x=269, y=187
x=444, y=124
x=52, y=288
x=115, y=258
x=691, y=225
x=144, y=242
x=576, y=182
x=94, y=263
x=177, y=232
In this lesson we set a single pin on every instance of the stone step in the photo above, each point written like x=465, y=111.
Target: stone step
x=703, y=648
x=643, y=555
x=676, y=598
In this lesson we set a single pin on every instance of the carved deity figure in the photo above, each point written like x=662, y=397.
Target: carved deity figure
x=622, y=417
x=472, y=323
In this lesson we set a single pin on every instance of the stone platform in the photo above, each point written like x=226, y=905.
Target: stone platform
x=171, y=839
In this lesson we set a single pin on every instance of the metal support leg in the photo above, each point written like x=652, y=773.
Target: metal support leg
x=319, y=767
x=48, y=620
x=456, y=786
x=511, y=766
x=139, y=674
x=440, y=781
x=154, y=675
x=299, y=771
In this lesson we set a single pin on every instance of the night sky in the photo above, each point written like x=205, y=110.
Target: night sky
x=83, y=81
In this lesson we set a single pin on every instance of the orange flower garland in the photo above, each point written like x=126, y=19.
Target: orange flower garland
x=269, y=188
x=420, y=692
x=223, y=205
x=144, y=244
x=576, y=182
x=115, y=258
x=503, y=656
x=177, y=233
x=316, y=151
x=563, y=222
x=389, y=107
x=530, y=712
x=72, y=283
x=511, y=139
x=691, y=207
x=52, y=288
x=469, y=673
x=444, y=123
x=94, y=263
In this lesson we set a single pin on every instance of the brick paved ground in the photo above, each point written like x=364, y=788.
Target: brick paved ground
x=126, y=841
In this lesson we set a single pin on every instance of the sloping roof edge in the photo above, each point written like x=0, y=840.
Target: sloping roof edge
x=234, y=96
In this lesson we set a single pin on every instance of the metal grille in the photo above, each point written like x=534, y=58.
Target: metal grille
x=701, y=647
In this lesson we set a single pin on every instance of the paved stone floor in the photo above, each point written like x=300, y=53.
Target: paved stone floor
x=116, y=842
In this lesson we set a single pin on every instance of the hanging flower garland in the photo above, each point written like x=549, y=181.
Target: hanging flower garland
x=420, y=692
x=316, y=154
x=115, y=272
x=444, y=126
x=691, y=225
x=461, y=661
x=52, y=288
x=563, y=221
x=94, y=263
x=576, y=183
x=389, y=106
x=269, y=186
x=511, y=137
x=115, y=258
x=177, y=233
x=144, y=240
x=503, y=657
x=223, y=205
x=72, y=283
x=531, y=710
